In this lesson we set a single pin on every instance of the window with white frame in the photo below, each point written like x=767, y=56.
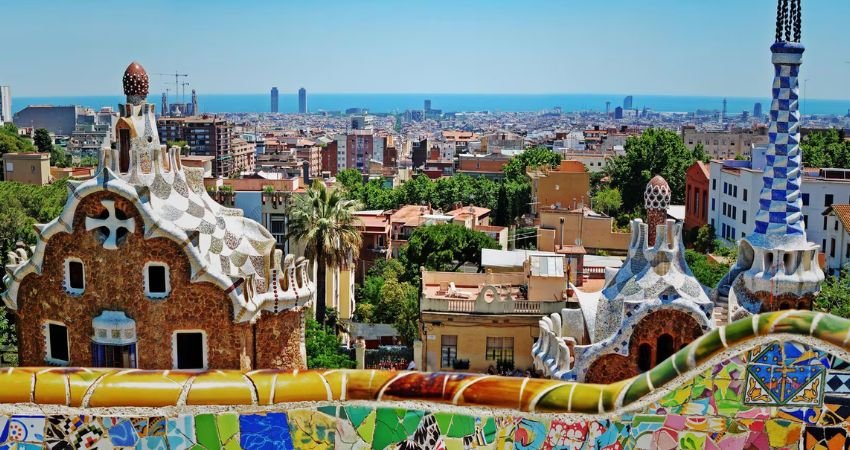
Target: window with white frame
x=56, y=340
x=157, y=280
x=189, y=349
x=75, y=276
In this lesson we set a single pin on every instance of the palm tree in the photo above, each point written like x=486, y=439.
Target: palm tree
x=325, y=223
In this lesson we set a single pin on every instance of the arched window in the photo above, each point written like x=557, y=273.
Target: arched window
x=664, y=348
x=644, y=357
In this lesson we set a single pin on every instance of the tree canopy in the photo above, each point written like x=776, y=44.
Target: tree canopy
x=384, y=297
x=655, y=152
x=10, y=142
x=323, y=348
x=532, y=157
x=42, y=140
x=445, y=247
x=826, y=149
x=324, y=221
x=607, y=200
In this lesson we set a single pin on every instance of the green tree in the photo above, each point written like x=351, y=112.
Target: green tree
x=826, y=149
x=323, y=348
x=700, y=154
x=608, y=200
x=533, y=157
x=705, y=239
x=58, y=157
x=10, y=142
x=655, y=152
x=325, y=222
x=707, y=272
x=445, y=247
x=42, y=140
x=502, y=212
x=834, y=296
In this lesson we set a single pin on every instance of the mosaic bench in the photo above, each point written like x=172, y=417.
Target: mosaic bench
x=776, y=380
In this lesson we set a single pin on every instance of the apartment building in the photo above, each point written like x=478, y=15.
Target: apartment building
x=206, y=135
x=734, y=197
x=725, y=144
x=696, y=195
x=473, y=321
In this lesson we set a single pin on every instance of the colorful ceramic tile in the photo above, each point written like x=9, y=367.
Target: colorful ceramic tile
x=264, y=431
x=530, y=434
x=311, y=429
x=180, y=431
x=206, y=431
x=123, y=434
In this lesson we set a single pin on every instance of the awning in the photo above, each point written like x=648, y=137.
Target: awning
x=114, y=328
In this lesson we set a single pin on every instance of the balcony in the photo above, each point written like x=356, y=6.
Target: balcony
x=481, y=306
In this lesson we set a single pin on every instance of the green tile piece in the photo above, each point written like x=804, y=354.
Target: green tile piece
x=489, y=430
x=357, y=414
x=228, y=426
x=389, y=428
x=329, y=410
x=462, y=426
x=205, y=430
x=444, y=421
x=411, y=421
x=366, y=430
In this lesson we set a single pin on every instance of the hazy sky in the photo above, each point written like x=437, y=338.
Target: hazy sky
x=686, y=47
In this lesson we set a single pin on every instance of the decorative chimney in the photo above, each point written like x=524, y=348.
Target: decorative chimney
x=656, y=199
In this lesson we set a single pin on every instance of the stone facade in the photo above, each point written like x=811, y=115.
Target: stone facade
x=143, y=269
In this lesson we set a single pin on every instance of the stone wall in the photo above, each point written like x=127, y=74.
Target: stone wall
x=280, y=341
x=114, y=281
x=680, y=326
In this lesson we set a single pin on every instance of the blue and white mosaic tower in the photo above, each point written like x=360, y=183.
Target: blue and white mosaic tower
x=777, y=267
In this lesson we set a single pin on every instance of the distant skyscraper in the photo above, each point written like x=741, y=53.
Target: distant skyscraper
x=5, y=104
x=607, y=109
x=627, y=102
x=618, y=112
x=194, y=102
x=723, y=113
x=427, y=105
x=164, y=106
x=274, y=100
x=757, y=110
x=302, y=101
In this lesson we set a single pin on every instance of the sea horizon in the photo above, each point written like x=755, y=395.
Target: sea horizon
x=390, y=103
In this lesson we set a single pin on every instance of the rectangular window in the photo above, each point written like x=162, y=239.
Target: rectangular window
x=157, y=283
x=714, y=185
x=500, y=349
x=57, y=342
x=448, y=351
x=805, y=221
x=725, y=188
x=805, y=199
x=847, y=253
x=825, y=218
x=827, y=200
x=189, y=350
x=735, y=191
x=76, y=276
x=712, y=204
x=744, y=216
x=745, y=195
x=832, y=248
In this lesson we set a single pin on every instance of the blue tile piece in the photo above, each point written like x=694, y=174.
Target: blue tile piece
x=265, y=432
x=123, y=434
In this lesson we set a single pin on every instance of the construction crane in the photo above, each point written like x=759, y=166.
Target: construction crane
x=176, y=76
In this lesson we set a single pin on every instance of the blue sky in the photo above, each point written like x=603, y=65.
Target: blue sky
x=680, y=47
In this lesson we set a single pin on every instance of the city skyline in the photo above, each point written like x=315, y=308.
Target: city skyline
x=538, y=47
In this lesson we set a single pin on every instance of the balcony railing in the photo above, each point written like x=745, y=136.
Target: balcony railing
x=473, y=306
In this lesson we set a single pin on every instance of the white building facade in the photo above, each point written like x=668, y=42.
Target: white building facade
x=733, y=198
x=5, y=104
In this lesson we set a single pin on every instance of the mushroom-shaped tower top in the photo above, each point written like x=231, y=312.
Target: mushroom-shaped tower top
x=136, y=82
x=657, y=193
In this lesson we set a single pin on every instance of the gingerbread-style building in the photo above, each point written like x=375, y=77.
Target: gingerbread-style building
x=144, y=270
